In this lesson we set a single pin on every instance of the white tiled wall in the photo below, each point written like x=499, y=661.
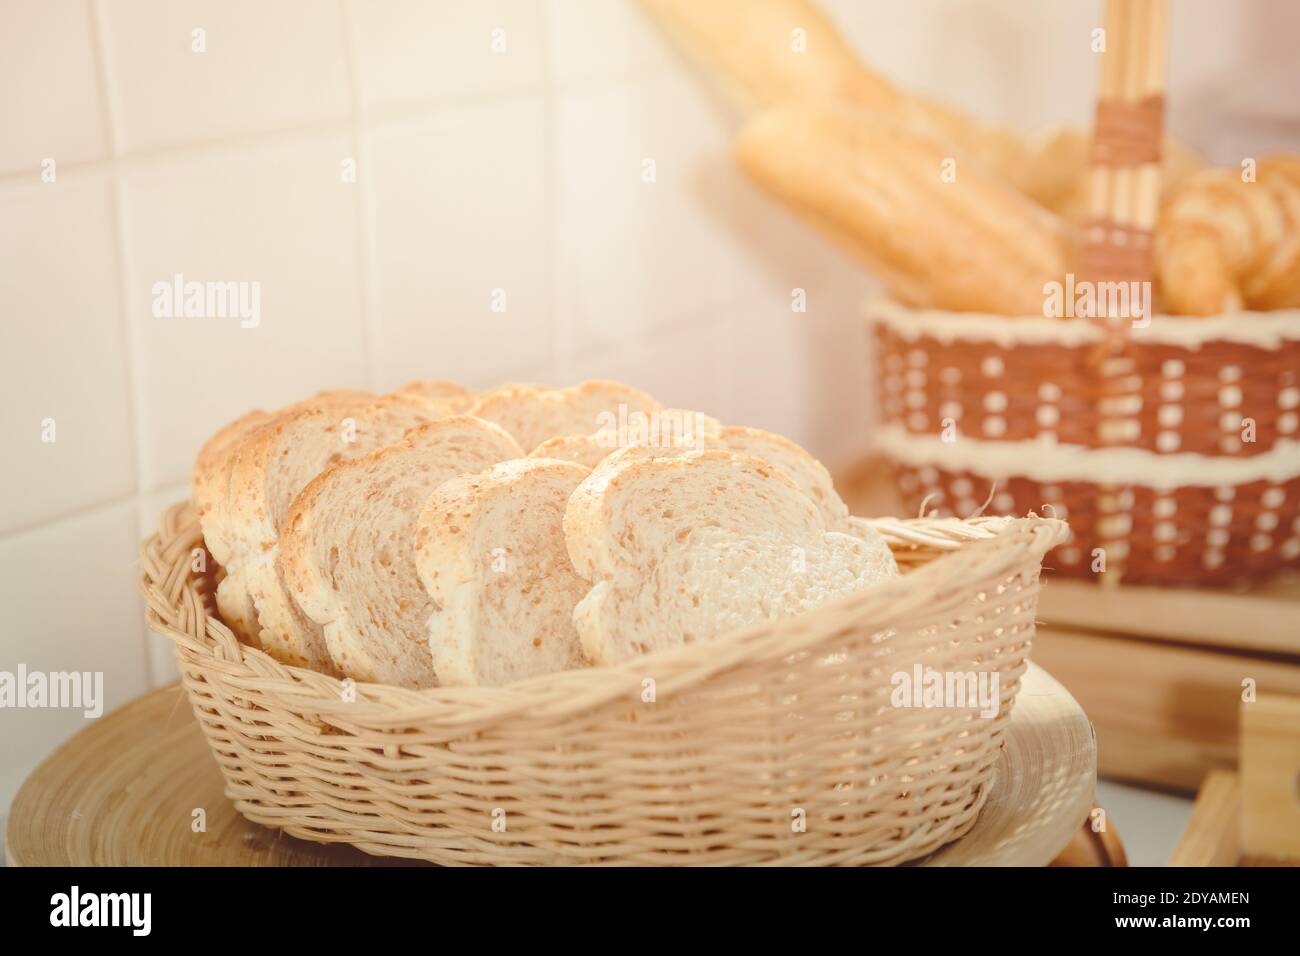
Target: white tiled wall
x=500, y=146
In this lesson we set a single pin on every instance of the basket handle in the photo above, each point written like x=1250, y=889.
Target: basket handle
x=1124, y=178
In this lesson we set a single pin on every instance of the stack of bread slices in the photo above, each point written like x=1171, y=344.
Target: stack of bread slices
x=433, y=536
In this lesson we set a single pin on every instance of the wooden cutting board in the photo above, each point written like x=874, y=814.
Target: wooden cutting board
x=124, y=792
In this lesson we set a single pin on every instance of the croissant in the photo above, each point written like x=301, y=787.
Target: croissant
x=1225, y=243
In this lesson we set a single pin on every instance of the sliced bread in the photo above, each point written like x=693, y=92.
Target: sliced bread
x=490, y=552
x=210, y=487
x=269, y=471
x=347, y=555
x=682, y=549
x=534, y=413
x=806, y=471
x=455, y=396
x=673, y=428
x=210, y=476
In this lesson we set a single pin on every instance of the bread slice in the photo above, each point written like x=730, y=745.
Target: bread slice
x=455, y=396
x=534, y=413
x=806, y=471
x=675, y=428
x=490, y=552
x=210, y=487
x=347, y=548
x=210, y=476
x=269, y=471
x=683, y=549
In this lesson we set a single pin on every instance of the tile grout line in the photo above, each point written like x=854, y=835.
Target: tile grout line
x=550, y=203
x=362, y=207
x=381, y=118
x=72, y=514
x=132, y=352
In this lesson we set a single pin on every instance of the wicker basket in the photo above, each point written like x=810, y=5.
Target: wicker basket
x=1145, y=457
x=777, y=744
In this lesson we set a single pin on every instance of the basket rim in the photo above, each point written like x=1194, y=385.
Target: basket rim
x=1051, y=462
x=981, y=547
x=1266, y=330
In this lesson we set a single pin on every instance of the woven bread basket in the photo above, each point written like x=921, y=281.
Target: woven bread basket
x=778, y=744
x=1177, y=464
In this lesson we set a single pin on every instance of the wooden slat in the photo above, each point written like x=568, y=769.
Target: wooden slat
x=1270, y=777
x=1212, y=835
x=1164, y=714
x=1264, y=619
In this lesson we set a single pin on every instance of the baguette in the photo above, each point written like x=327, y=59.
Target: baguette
x=971, y=244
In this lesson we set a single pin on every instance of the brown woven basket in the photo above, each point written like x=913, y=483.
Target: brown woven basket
x=1172, y=495
x=777, y=744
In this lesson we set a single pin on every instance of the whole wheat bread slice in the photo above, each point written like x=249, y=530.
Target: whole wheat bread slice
x=806, y=471
x=271, y=468
x=210, y=487
x=674, y=428
x=534, y=413
x=490, y=552
x=347, y=547
x=682, y=549
x=210, y=475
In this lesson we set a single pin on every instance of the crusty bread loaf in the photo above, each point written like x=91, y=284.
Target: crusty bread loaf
x=272, y=466
x=534, y=413
x=749, y=48
x=869, y=181
x=491, y=554
x=346, y=549
x=666, y=428
x=685, y=548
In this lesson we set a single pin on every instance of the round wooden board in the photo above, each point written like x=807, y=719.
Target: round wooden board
x=123, y=793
